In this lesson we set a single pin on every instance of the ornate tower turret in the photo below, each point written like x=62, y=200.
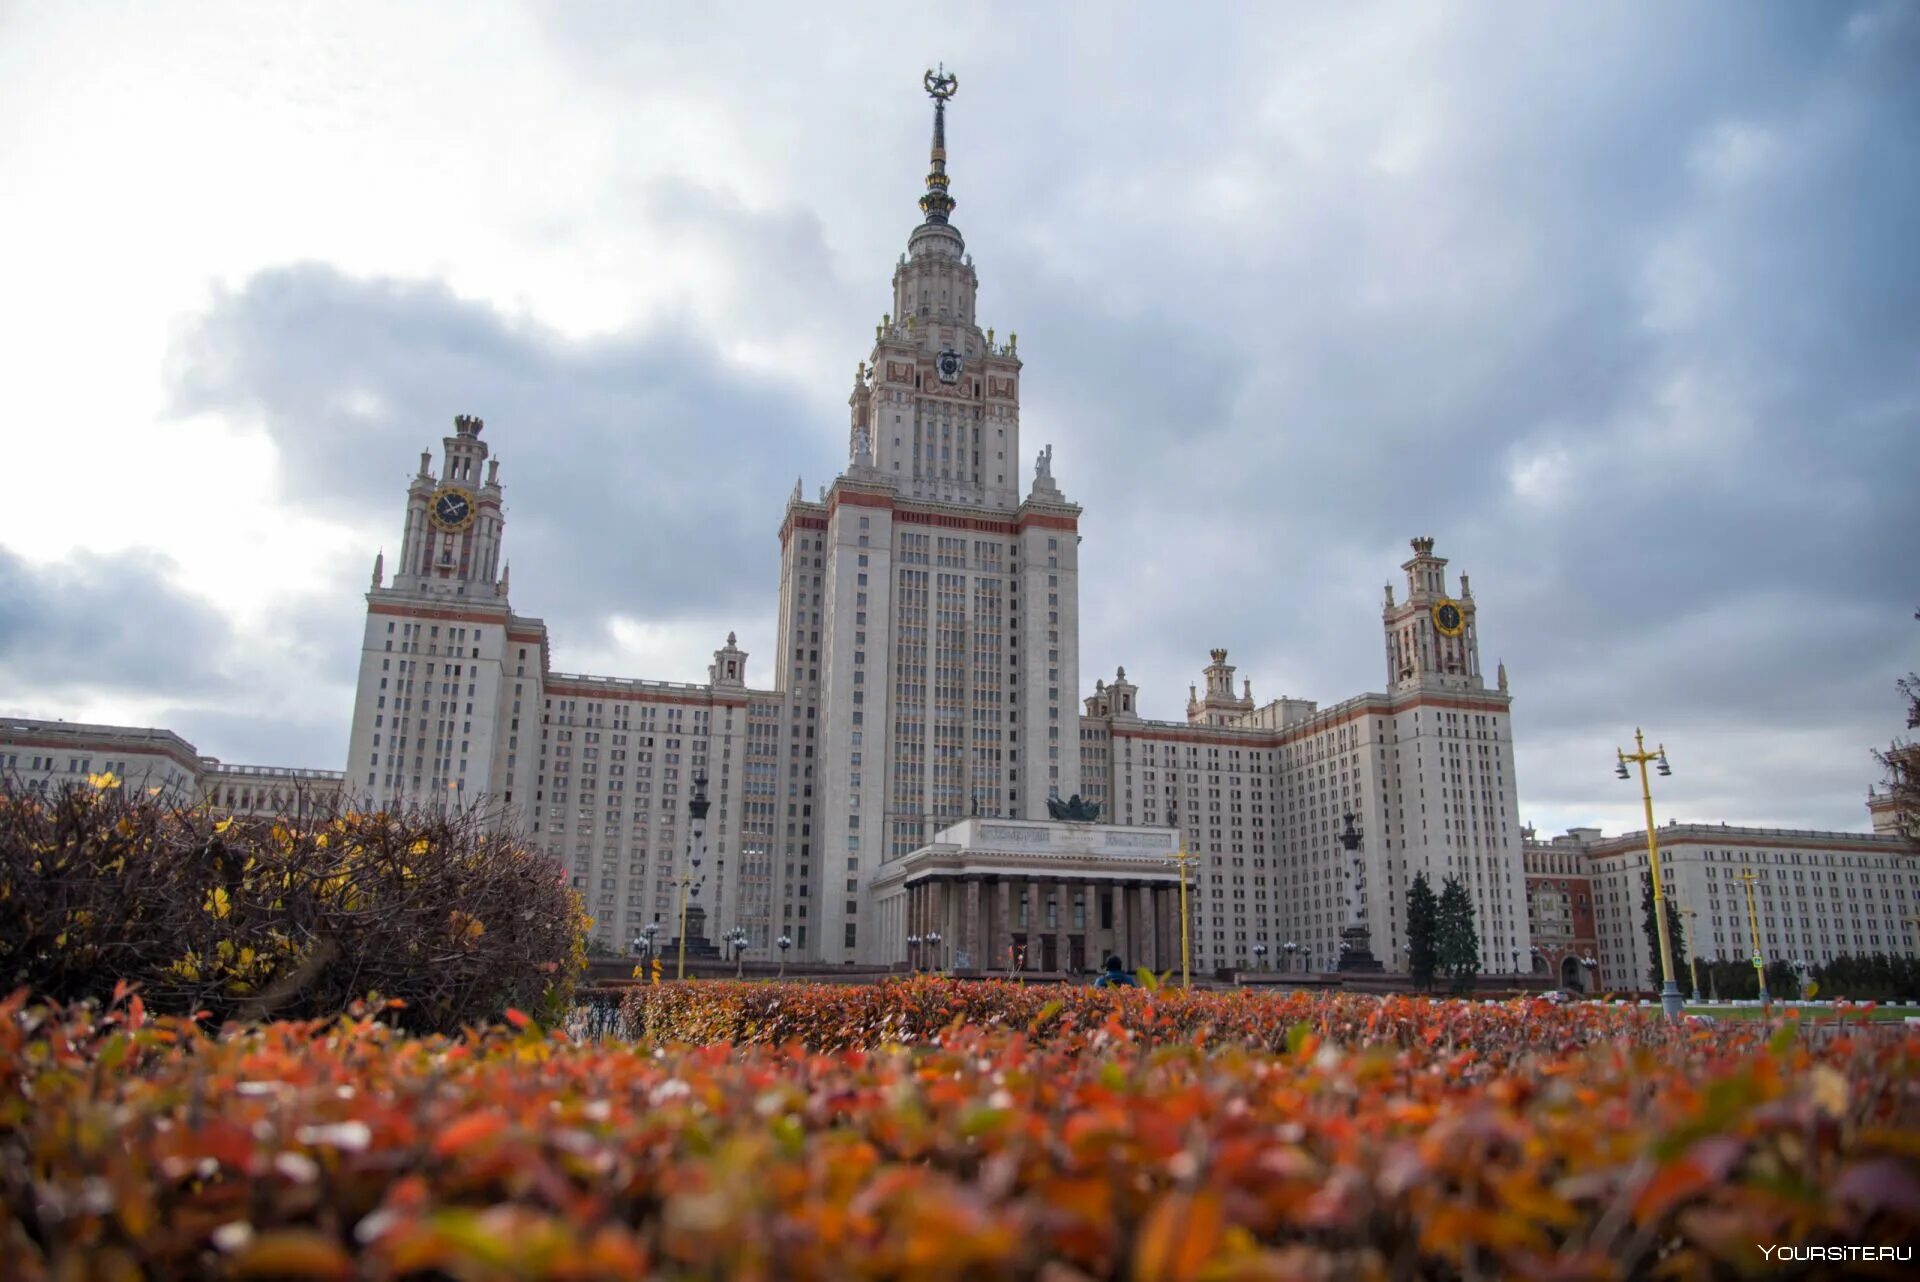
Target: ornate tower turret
x=1220, y=706
x=1431, y=637
x=455, y=528
x=939, y=401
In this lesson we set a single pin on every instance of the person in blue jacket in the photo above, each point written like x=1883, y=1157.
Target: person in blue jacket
x=1115, y=976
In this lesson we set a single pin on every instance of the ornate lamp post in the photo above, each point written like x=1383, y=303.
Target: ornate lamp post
x=1753, y=923
x=785, y=942
x=934, y=960
x=1669, y=991
x=1289, y=946
x=913, y=953
x=1183, y=859
x=697, y=807
x=738, y=939
x=1260, y=956
x=1356, y=941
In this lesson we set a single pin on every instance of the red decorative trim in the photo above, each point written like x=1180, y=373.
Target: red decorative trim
x=1269, y=738
x=643, y=696
x=91, y=745
x=440, y=614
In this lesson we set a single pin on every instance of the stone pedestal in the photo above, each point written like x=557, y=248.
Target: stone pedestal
x=1357, y=956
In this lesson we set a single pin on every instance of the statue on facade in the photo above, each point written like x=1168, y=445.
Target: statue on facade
x=1074, y=810
x=1043, y=465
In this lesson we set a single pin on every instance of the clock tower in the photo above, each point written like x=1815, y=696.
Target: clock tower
x=449, y=675
x=1431, y=637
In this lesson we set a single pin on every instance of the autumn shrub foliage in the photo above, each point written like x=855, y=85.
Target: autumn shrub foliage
x=1376, y=1139
x=864, y=1017
x=250, y=917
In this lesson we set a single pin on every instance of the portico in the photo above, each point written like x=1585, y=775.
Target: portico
x=1015, y=895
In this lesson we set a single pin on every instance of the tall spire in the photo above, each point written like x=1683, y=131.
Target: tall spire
x=936, y=204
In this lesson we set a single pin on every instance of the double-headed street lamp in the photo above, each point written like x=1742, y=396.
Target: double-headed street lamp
x=932, y=940
x=1260, y=956
x=738, y=939
x=644, y=943
x=913, y=953
x=1183, y=859
x=1289, y=947
x=785, y=942
x=1670, y=1000
x=1753, y=923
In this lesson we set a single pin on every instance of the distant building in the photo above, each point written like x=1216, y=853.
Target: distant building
x=47, y=755
x=1560, y=911
x=1817, y=895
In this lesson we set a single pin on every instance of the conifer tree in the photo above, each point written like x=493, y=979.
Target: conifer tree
x=1422, y=927
x=1674, y=933
x=1457, y=942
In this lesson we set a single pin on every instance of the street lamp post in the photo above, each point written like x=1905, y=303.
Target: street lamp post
x=1183, y=859
x=697, y=807
x=1693, y=961
x=785, y=942
x=1290, y=946
x=1260, y=956
x=738, y=938
x=913, y=953
x=1753, y=924
x=1670, y=1001
x=934, y=960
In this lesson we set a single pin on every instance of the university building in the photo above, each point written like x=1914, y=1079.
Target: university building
x=927, y=673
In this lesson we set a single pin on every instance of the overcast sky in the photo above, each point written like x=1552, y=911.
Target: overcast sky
x=1620, y=303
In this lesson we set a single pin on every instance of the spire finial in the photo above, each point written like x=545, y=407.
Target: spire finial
x=937, y=204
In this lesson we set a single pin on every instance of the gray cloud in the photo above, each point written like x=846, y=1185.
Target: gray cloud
x=103, y=623
x=614, y=452
x=1620, y=304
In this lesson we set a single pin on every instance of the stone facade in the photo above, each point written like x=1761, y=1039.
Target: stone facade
x=1817, y=894
x=47, y=755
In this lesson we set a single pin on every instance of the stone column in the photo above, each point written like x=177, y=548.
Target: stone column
x=1123, y=944
x=971, y=930
x=1035, y=891
x=1063, y=951
x=1002, y=941
x=949, y=919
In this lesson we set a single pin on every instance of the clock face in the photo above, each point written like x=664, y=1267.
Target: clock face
x=451, y=508
x=947, y=364
x=1447, y=618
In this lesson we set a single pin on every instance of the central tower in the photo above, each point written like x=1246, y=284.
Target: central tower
x=937, y=404
x=930, y=626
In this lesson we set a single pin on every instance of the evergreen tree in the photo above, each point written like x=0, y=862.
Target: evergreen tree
x=1422, y=927
x=1457, y=943
x=1674, y=933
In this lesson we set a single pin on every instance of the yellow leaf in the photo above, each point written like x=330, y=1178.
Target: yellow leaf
x=218, y=903
x=418, y=848
x=104, y=780
x=224, y=824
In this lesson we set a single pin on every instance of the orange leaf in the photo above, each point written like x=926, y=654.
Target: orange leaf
x=1179, y=1235
x=517, y=1018
x=293, y=1253
x=468, y=1131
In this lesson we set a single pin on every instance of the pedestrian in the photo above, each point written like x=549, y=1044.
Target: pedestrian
x=1116, y=975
